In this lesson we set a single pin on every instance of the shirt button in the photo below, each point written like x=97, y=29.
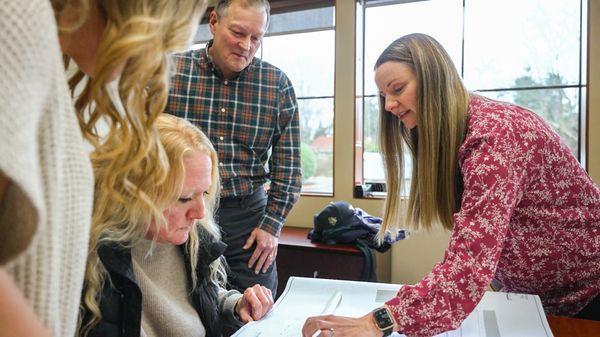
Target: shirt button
x=221, y=138
x=223, y=110
x=225, y=82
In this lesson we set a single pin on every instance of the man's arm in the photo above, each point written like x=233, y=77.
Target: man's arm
x=284, y=163
x=286, y=179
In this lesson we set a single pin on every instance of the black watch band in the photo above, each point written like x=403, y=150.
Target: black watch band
x=384, y=321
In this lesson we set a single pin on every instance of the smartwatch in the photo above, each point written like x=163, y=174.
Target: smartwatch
x=384, y=321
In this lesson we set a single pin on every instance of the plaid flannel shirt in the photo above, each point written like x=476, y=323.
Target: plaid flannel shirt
x=252, y=121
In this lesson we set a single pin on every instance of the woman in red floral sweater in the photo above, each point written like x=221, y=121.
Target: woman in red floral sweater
x=523, y=212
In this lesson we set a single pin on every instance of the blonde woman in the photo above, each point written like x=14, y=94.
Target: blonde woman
x=163, y=275
x=524, y=215
x=46, y=180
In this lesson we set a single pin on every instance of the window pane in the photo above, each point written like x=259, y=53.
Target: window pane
x=203, y=34
x=297, y=21
x=442, y=19
x=584, y=41
x=583, y=127
x=197, y=46
x=316, y=131
x=311, y=19
x=372, y=164
x=508, y=39
x=307, y=58
x=559, y=107
x=508, y=44
x=373, y=170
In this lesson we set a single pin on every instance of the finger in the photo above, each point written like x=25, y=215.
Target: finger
x=269, y=295
x=306, y=328
x=250, y=240
x=244, y=313
x=255, y=256
x=261, y=261
x=311, y=326
x=266, y=301
x=254, y=303
x=269, y=261
x=245, y=317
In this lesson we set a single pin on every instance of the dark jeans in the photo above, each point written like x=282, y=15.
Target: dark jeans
x=237, y=217
x=591, y=311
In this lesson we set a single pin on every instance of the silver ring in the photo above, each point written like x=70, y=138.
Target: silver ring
x=331, y=332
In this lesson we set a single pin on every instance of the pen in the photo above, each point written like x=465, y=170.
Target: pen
x=332, y=304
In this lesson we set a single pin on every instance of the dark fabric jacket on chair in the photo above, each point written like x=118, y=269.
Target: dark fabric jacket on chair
x=121, y=297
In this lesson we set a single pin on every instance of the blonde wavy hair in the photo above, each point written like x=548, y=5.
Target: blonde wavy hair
x=139, y=34
x=129, y=224
x=129, y=160
x=442, y=105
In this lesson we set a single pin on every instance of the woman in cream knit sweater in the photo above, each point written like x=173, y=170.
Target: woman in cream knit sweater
x=46, y=180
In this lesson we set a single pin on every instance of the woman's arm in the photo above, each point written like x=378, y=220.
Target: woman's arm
x=494, y=173
x=252, y=305
x=17, y=317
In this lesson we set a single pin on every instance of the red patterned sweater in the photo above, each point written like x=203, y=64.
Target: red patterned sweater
x=530, y=218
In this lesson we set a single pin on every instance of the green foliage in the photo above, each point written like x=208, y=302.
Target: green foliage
x=371, y=125
x=554, y=105
x=309, y=162
x=308, y=130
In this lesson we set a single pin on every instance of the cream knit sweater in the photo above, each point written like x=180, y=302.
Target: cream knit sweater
x=46, y=213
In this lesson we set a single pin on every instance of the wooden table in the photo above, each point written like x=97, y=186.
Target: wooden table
x=572, y=327
x=297, y=256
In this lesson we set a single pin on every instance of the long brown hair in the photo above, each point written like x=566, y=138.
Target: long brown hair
x=442, y=104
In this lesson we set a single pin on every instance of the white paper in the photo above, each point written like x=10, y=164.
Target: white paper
x=497, y=315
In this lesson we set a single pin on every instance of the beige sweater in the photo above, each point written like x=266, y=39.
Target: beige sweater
x=167, y=310
x=46, y=211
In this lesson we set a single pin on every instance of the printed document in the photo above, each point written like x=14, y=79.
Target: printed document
x=497, y=315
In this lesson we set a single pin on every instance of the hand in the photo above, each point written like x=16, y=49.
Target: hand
x=265, y=252
x=255, y=303
x=338, y=326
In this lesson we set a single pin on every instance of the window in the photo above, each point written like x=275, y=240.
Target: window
x=528, y=52
x=306, y=53
x=302, y=44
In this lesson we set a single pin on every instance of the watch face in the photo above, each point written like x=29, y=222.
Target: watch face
x=383, y=318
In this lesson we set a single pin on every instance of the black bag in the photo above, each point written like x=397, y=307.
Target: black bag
x=340, y=223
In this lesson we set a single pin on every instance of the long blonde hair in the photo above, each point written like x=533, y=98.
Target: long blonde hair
x=139, y=34
x=442, y=105
x=129, y=160
x=129, y=224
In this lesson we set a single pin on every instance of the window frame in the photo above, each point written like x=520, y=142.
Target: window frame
x=361, y=7
x=285, y=7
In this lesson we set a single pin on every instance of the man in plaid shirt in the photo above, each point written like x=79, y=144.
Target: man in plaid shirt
x=248, y=109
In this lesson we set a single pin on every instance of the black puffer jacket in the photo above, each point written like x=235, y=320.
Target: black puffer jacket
x=121, y=298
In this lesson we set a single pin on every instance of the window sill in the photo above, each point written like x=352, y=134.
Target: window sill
x=372, y=195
